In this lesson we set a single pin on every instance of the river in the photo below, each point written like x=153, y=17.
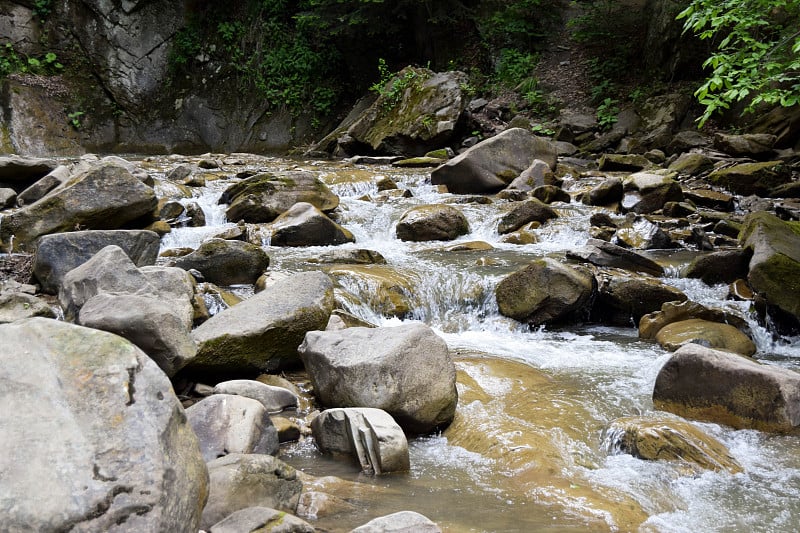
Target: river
x=528, y=450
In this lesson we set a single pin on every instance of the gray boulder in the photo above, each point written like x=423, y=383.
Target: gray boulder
x=747, y=145
x=226, y=423
x=623, y=300
x=522, y=213
x=263, y=332
x=104, y=197
x=147, y=321
x=261, y=198
x=537, y=174
x=371, y=435
x=544, y=292
x=494, y=163
x=725, y=266
x=261, y=520
x=8, y=197
x=226, y=262
x=603, y=253
x=435, y=222
x=721, y=387
x=606, y=193
x=402, y=522
x=44, y=185
x=646, y=192
x=274, y=399
x=350, y=256
x=239, y=481
x=92, y=419
x=751, y=178
x=18, y=169
x=59, y=253
x=305, y=225
x=406, y=371
x=18, y=305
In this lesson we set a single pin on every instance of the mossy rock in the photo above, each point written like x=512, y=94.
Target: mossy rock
x=751, y=178
x=710, y=334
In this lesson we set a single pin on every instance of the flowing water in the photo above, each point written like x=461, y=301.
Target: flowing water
x=527, y=451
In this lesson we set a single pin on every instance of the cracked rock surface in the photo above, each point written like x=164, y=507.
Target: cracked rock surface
x=94, y=437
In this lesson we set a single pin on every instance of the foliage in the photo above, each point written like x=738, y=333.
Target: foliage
x=392, y=86
x=11, y=61
x=607, y=112
x=75, y=119
x=42, y=8
x=757, y=56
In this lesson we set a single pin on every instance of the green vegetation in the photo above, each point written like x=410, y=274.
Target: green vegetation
x=75, y=119
x=757, y=55
x=11, y=61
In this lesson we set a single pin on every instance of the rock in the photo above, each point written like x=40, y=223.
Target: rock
x=305, y=225
x=775, y=265
x=470, y=246
x=239, y=481
x=274, y=399
x=180, y=173
x=263, y=332
x=705, y=333
x=350, y=256
x=544, y=292
x=670, y=312
x=623, y=162
x=725, y=388
x=643, y=234
x=386, y=290
x=289, y=430
x=685, y=140
x=607, y=193
x=419, y=162
x=314, y=504
x=665, y=111
x=747, y=145
x=226, y=262
x=622, y=301
x=261, y=520
x=710, y=198
x=95, y=421
x=18, y=305
x=537, y=174
x=44, y=185
x=175, y=287
x=371, y=435
x=402, y=522
x=550, y=193
x=261, y=198
x=425, y=117
x=226, y=423
x=725, y=266
x=494, y=163
x=751, y=178
x=691, y=164
x=18, y=169
x=603, y=253
x=678, y=209
x=522, y=213
x=646, y=192
x=195, y=215
x=434, y=222
x=407, y=372
x=103, y=197
x=8, y=198
x=661, y=438
x=59, y=253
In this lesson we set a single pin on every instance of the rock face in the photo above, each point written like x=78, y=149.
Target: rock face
x=705, y=333
x=263, y=332
x=225, y=424
x=371, y=435
x=425, y=118
x=239, y=481
x=545, y=291
x=775, y=265
x=438, y=222
x=664, y=438
x=406, y=371
x=226, y=262
x=721, y=387
x=103, y=197
x=305, y=225
x=59, y=253
x=94, y=420
x=261, y=198
x=494, y=163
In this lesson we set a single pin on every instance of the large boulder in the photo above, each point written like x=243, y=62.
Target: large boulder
x=436, y=222
x=494, y=163
x=775, y=265
x=89, y=418
x=105, y=196
x=18, y=172
x=261, y=198
x=608, y=192
x=602, y=253
x=239, y=481
x=544, y=292
x=418, y=111
x=262, y=333
x=725, y=266
x=623, y=300
x=666, y=438
x=44, y=185
x=521, y=213
x=670, y=312
x=406, y=371
x=59, y=253
x=706, y=333
x=747, y=145
x=706, y=384
x=305, y=225
x=226, y=423
x=646, y=192
x=371, y=435
x=147, y=321
x=751, y=178
x=226, y=262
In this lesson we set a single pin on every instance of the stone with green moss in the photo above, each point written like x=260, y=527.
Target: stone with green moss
x=751, y=178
